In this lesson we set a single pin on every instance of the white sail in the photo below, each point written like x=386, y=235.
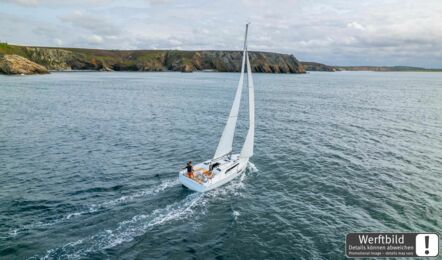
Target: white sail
x=226, y=141
x=247, y=149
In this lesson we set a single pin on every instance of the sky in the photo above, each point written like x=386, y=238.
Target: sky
x=334, y=32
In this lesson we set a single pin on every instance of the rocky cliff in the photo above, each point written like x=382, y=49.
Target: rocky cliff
x=314, y=66
x=153, y=60
x=15, y=64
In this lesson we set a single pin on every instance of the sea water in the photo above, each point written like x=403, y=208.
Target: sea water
x=89, y=164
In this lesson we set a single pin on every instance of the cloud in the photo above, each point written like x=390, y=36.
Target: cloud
x=22, y=2
x=94, y=39
x=58, y=42
x=92, y=22
x=333, y=32
x=356, y=25
x=31, y=3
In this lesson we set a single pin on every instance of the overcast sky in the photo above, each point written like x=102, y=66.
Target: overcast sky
x=335, y=32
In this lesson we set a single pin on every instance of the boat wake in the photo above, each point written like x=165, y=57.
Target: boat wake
x=93, y=208
x=127, y=230
x=194, y=205
x=251, y=167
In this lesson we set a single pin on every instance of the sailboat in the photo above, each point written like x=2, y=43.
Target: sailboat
x=225, y=166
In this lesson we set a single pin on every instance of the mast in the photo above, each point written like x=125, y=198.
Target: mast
x=245, y=38
x=226, y=141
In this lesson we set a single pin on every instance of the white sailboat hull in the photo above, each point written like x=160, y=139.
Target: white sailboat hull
x=227, y=170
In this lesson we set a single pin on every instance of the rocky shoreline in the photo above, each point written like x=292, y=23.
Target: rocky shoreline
x=12, y=64
x=70, y=59
x=314, y=66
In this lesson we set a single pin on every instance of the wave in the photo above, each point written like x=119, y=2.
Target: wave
x=127, y=230
x=235, y=214
x=98, y=189
x=163, y=186
x=138, y=225
x=95, y=208
x=252, y=167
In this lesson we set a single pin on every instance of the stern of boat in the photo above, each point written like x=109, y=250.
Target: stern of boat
x=190, y=183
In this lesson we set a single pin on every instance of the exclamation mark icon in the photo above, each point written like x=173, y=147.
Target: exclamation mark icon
x=427, y=242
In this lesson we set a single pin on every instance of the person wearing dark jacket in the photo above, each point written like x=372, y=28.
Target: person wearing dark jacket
x=189, y=168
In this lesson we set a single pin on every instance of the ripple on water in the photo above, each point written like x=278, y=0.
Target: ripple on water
x=89, y=164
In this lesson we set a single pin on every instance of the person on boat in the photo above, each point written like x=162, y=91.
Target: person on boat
x=189, y=168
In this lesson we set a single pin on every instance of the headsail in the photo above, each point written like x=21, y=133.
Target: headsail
x=247, y=149
x=226, y=141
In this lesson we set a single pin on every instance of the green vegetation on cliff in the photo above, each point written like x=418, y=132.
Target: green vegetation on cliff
x=314, y=66
x=152, y=60
x=386, y=68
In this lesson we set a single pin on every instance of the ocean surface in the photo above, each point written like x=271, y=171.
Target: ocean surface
x=89, y=162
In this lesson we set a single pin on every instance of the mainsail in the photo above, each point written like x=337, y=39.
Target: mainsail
x=226, y=141
x=247, y=149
